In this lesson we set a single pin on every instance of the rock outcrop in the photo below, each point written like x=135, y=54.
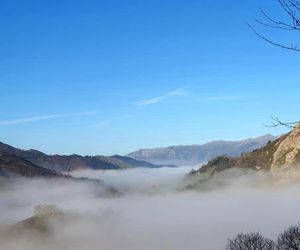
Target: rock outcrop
x=277, y=157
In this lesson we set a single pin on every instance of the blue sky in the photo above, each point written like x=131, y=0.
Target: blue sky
x=106, y=77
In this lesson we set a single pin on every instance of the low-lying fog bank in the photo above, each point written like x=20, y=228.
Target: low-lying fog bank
x=142, y=220
x=138, y=179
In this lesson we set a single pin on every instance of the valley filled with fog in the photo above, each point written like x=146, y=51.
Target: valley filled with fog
x=149, y=209
x=149, y=125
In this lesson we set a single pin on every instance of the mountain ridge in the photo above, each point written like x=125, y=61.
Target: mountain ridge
x=12, y=165
x=66, y=163
x=197, y=154
x=276, y=157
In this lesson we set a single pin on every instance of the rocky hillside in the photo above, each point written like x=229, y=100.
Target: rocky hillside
x=64, y=163
x=281, y=154
x=11, y=165
x=197, y=154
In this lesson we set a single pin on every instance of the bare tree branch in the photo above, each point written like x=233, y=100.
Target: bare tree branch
x=289, y=239
x=276, y=122
x=250, y=241
x=291, y=8
x=275, y=23
x=290, y=47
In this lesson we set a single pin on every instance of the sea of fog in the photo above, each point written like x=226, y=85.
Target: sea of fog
x=150, y=212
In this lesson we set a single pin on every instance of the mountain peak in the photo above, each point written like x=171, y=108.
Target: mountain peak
x=198, y=154
x=283, y=153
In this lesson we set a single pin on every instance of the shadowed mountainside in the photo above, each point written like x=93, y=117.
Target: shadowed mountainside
x=14, y=165
x=65, y=163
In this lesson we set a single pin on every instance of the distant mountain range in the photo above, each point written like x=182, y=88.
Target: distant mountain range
x=197, y=154
x=36, y=163
x=65, y=163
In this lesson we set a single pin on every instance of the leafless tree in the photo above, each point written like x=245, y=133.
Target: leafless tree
x=276, y=122
x=291, y=9
x=251, y=241
x=289, y=239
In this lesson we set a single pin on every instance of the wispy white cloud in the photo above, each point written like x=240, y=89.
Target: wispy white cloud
x=155, y=100
x=41, y=118
x=30, y=119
